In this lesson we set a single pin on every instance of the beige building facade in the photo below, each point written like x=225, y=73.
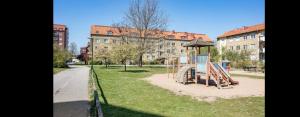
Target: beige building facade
x=249, y=38
x=169, y=43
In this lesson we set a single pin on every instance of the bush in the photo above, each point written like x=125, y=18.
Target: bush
x=60, y=57
x=95, y=62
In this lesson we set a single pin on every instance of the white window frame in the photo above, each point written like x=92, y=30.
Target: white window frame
x=252, y=36
x=105, y=40
x=97, y=40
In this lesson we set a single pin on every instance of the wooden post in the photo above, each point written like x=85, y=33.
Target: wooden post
x=207, y=65
x=195, y=65
x=199, y=54
x=168, y=66
x=187, y=55
x=173, y=65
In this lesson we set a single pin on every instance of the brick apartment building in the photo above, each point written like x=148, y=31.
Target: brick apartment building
x=84, y=53
x=164, y=44
x=60, y=36
x=250, y=38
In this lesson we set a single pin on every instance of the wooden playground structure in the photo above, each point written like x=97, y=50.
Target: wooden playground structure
x=195, y=66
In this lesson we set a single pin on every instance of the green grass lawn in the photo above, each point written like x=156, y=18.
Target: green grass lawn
x=249, y=76
x=127, y=95
x=56, y=70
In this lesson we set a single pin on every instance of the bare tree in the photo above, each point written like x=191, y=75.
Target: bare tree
x=73, y=48
x=123, y=30
x=148, y=20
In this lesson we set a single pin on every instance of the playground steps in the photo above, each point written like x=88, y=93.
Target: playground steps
x=180, y=75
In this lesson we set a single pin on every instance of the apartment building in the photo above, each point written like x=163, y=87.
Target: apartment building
x=249, y=38
x=84, y=53
x=60, y=35
x=163, y=43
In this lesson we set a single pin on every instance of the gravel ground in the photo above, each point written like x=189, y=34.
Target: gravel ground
x=247, y=87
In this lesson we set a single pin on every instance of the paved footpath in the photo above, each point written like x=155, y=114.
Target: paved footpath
x=70, y=92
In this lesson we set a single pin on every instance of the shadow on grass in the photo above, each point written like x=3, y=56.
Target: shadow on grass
x=80, y=109
x=99, y=86
x=155, y=67
x=117, y=111
x=135, y=71
x=110, y=67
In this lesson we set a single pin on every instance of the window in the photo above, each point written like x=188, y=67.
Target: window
x=245, y=47
x=105, y=40
x=95, y=47
x=238, y=47
x=168, y=51
x=98, y=41
x=181, y=50
x=231, y=47
x=168, y=43
x=160, y=53
x=245, y=37
x=252, y=46
x=263, y=33
x=114, y=41
x=173, y=44
x=252, y=36
x=182, y=44
x=237, y=38
x=109, y=33
x=160, y=46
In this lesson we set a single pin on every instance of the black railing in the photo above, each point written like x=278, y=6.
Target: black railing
x=96, y=105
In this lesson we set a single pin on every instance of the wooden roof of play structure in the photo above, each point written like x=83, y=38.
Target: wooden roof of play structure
x=198, y=43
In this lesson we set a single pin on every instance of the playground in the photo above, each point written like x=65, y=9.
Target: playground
x=194, y=74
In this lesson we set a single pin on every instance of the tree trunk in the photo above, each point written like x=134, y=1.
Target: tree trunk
x=141, y=60
x=105, y=63
x=125, y=66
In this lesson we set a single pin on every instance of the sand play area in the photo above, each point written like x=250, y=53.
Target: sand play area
x=247, y=87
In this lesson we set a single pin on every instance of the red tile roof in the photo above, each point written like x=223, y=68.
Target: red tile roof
x=59, y=27
x=102, y=30
x=245, y=29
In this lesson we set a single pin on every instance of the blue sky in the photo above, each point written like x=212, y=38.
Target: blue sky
x=211, y=17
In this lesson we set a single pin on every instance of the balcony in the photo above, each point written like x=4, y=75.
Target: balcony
x=261, y=38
